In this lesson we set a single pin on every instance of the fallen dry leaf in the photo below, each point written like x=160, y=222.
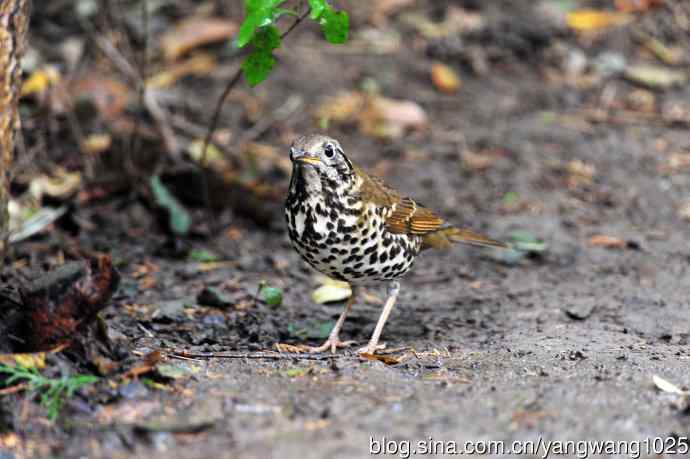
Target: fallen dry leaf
x=477, y=161
x=199, y=65
x=589, y=20
x=60, y=184
x=580, y=173
x=340, y=108
x=108, y=95
x=445, y=78
x=35, y=360
x=195, y=32
x=148, y=365
x=667, y=386
x=97, y=143
x=609, y=242
x=62, y=303
x=637, y=6
x=457, y=21
x=641, y=100
x=390, y=118
x=330, y=291
x=675, y=163
x=289, y=348
x=387, y=359
x=375, y=115
x=40, y=80
x=655, y=76
x=385, y=8
x=684, y=211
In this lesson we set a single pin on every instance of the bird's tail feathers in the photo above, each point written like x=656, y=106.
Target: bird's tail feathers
x=445, y=237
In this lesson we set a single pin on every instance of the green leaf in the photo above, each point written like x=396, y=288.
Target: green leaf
x=257, y=66
x=267, y=38
x=312, y=329
x=527, y=242
x=295, y=372
x=511, y=198
x=172, y=371
x=335, y=26
x=317, y=8
x=259, y=13
x=178, y=217
x=272, y=296
x=250, y=24
x=203, y=256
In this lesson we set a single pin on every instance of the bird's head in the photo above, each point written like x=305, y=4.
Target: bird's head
x=321, y=162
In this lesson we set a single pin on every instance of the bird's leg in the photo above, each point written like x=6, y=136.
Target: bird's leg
x=393, y=290
x=333, y=342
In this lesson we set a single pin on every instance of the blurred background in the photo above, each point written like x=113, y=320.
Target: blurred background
x=559, y=125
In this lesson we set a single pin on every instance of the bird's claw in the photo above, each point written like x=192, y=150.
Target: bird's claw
x=331, y=343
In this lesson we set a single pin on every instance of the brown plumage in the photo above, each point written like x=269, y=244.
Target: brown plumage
x=353, y=227
x=408, y=217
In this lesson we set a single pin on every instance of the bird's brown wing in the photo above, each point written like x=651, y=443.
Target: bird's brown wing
x=407, y=217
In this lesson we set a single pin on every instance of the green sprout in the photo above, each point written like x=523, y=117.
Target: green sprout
x=259, y=30
x=53, y=391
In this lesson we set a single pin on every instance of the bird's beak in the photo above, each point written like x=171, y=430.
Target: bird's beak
x=313, y=160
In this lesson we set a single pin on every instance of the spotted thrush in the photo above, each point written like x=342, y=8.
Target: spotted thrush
x=353, y=227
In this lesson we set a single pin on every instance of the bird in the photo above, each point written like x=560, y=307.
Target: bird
x=352, y=227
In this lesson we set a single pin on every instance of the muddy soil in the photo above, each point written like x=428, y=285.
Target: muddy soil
x=560, y=345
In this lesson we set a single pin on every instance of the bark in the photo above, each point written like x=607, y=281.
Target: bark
x=14, y=21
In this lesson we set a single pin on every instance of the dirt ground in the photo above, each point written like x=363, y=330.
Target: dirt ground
x=559, y=345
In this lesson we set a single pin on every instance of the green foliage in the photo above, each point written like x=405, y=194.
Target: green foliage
x=53, y=392
x=203, y=256
x=257, y=66
x=335, y=26
x=259, y=30
x=179, y=219
x=272, y=296
x=311, y=330
x=527, y=242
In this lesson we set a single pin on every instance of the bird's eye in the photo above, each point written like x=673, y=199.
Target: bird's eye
x=328, y=150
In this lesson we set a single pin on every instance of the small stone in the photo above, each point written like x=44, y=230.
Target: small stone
x=581, y=309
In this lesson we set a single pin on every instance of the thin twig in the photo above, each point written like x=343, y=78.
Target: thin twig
x=14, y=389
x=285, y=111
x=219, y=107
x=630, y=117
x=252, y=355
x=161, y=118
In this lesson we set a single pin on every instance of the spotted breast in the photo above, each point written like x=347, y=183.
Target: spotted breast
x=351, y=226
x=344, y=237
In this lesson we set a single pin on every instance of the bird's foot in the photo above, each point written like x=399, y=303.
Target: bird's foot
x=371, y=348
x=332, y=343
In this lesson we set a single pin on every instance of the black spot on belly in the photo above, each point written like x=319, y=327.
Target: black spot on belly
x=383, y=257
x=373, y=258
